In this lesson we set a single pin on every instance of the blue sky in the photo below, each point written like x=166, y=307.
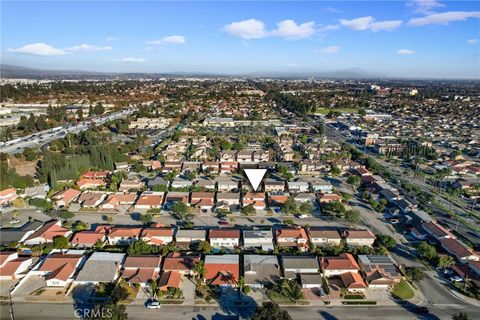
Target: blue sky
x=420, y=38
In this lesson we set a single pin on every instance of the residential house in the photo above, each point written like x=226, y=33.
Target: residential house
x=115, y=200
x=13, y=236
x=170, y=166
x=254, y=199
x=206, y=184
x=228, y=166
x=277, y=199
x=336, y=265
x=101, y=267
x=258, y=239
x=436, y=230
x=158, y=184
x=184, y=264
x=59, y=268
x=293, y=265
x=227, y=184
x=8, y=195
x=323, y=237
x=224, y=238
x=12, y=266
x=181, y=184
x=91, y=200
x=324, y=198
x=88, y=238
x=150, y=200
x=95, y=175
x=127, y=185
x=359, y=237
x=122, y=166
x=353, y=282
x=245, y=156
x=84, y=183
x=173, y=197
x=210, y=166
x=47, y=233
x=63, y=198
x=228, y=200
x=260, y=270
x=123, y=236
x=169, y=279
x=189, y=238
x=292, y=237
x=380, y=270
x=228, y=156
x=303, y=197
x=36, y=192
x=202, y=201
x=157, y=235
x=298, y=186
x=141, y=269
x=222, y=270
x=320, y=185
x=271, y=185
x=459, y=250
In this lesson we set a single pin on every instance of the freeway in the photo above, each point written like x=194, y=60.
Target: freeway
x=464, y=230
x=42, y=138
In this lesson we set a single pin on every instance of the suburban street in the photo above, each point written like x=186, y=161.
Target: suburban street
x=404, y=312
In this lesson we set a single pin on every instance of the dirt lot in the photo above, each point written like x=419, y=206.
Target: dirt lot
x=22, y=167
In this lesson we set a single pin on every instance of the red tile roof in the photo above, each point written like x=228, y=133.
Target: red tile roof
x=224, y=233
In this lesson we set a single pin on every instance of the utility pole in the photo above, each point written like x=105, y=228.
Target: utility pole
x=12, y=316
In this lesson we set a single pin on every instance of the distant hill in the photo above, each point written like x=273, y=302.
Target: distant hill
x=10, y=71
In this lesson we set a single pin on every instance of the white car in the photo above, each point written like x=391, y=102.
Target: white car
x=14, y=221
x=302, y=216
x=153, y=304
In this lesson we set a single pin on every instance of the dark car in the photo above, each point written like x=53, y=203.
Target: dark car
x=223, y=222
x=421, y=310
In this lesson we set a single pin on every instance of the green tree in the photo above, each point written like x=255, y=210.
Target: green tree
x=248, y=210
x=60, y=242
x=385, y=241
x=353, y=216
x=306, y=208
x=414, y=274
x=271, y=311
x=446, y=261
x=146, y=218
x=204, y=247
x=200, y=269
x=354, y=181
x=426, y=251
x=29, y=154
x=460, y=316
x=66, y=215
x=334, y=208
x=290, y=206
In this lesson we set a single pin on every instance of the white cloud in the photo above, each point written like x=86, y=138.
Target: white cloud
x=424, y=6
x=38, y=49
x=444, y=18
x=87, y=48
x=132, y=59
x=246, y=29
x=332, y=10
x=331, y=49
x=369, y=23
x=329, y=27
x=388, y=25
x=289, y=29
x=175, y=39
x=112, y=39
x=405, y=51
x=362, y=23
x=473, y=41
x=291, y=65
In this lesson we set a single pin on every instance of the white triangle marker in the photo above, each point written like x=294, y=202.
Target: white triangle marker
x=255, y=177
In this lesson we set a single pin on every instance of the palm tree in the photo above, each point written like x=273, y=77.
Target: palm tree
x=153, y=288
x=199, y=269
x=445, y=262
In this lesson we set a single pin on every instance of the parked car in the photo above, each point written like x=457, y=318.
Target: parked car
x=153, y=304
x=223, y=222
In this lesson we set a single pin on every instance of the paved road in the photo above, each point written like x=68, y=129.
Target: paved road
x=66, y=311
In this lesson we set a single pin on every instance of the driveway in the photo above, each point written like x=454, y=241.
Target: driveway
x=188, y=288
x=29, y=285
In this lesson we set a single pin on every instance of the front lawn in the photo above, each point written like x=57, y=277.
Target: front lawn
x=403, y=290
